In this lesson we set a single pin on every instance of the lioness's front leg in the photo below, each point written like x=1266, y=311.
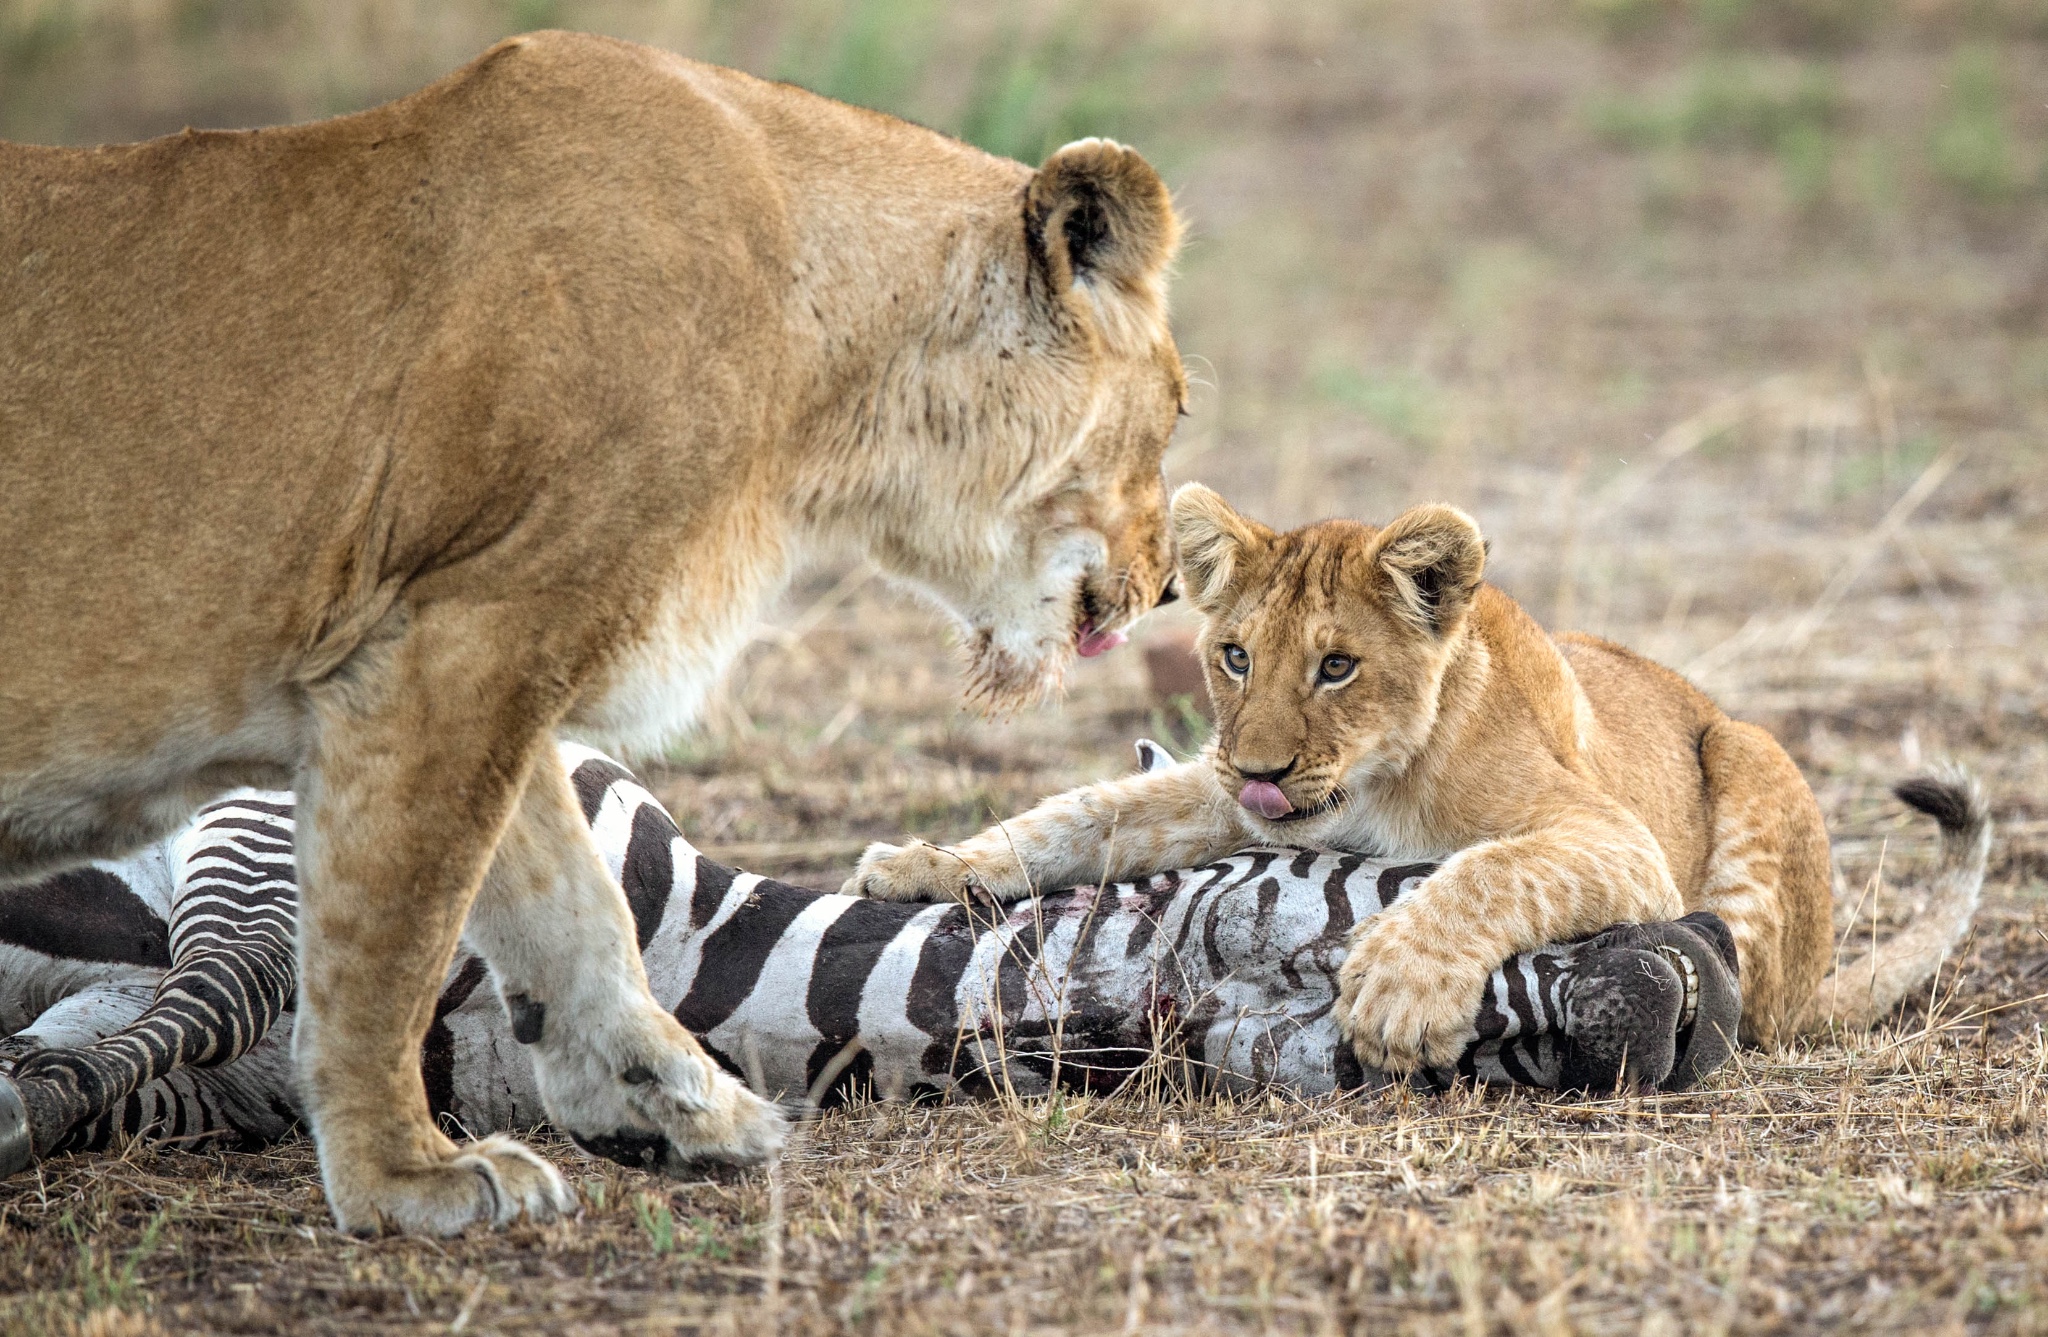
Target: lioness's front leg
x=1409, y=988
x=1140, y=824
x=617, y=1073
x=421, y=748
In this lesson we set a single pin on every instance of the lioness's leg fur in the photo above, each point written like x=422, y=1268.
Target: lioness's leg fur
x=420, y=753
x=1176, y=817
x=1409, y=987
x=1767, y=875
x=615, y=1072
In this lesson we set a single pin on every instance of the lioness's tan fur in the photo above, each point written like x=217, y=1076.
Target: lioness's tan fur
x=361, y=456
x=1407, y=709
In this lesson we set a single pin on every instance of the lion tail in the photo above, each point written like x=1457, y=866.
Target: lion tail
x=1863, y=991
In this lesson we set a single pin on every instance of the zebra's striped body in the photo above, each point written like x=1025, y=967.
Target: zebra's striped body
x=97, y=1063
x=1225, y=973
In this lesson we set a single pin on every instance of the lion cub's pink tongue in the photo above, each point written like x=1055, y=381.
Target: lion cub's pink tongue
x=1093, y=642
x=1264, y=798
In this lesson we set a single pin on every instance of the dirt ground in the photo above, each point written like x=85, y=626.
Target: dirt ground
x=1730, y=323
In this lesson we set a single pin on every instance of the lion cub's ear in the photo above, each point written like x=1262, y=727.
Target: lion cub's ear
x=1211, y=540
x=1097, y=212
x=1432, y=558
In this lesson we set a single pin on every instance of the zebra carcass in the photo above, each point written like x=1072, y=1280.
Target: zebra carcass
x=162, y=1008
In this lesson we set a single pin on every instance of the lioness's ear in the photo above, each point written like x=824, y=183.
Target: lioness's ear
x=1210, y=539
x=1097, y=213
x=1432, y=558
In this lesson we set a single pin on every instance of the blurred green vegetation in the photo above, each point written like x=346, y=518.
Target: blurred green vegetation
x=1766, y=79
x=1788, y=107
x=1015, y=79
x=1817, y=25
x=1730, y=102
x=1399, y=403
x=1033, y=86
x=1973, y=147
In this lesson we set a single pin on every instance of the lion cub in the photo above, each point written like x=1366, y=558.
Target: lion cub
x=1373, y=695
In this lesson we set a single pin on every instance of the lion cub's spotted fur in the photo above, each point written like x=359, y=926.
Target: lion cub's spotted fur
x=1403, y=707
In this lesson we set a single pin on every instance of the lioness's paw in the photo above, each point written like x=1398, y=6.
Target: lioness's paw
x=924, y=872
x=1403, y=1008
x=644, y=1093
x=493, y=1182
x=721, y=1121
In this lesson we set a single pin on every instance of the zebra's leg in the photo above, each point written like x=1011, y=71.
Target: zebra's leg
x=232, y=973
x=79, y=1019
x=249, y=1100
x=616, y=1072
x=41, y=1116
x=64, y=1074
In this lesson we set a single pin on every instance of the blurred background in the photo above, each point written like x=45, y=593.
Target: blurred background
x=1727, y=318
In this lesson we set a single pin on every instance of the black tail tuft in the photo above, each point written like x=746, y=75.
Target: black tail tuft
x=1862, y=992
x=1950, y=800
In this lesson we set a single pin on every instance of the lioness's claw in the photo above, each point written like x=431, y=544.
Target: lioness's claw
x=492, y=1182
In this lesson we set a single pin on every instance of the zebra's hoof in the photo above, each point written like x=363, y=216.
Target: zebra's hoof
x=1622, y=1019
x=1653, y=1006
x=16, y=1154
x=1706, y=1043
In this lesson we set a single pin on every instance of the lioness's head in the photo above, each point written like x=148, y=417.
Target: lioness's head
x=1032, y=418
x=1325, y=647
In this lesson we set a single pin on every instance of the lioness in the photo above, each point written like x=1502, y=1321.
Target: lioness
x=1373, y=695
x=387, y=447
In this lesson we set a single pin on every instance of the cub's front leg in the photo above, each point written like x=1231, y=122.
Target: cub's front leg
x=1167, y=818
x=1409, y=989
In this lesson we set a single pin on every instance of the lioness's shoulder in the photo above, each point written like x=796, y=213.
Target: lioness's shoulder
x=557, y=84
x=604, y=68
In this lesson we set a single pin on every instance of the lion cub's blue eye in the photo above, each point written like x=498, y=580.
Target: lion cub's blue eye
x=1236, y=659
x=1336, y=668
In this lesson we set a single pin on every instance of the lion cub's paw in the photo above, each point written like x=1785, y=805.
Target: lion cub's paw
x=492, y=1182
x=1404, y=1008
x=641, y=1091
x=925, y=872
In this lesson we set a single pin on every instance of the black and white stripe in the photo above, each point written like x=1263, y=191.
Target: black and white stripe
x=233, y=926
x=1228, y=972
x=232, y=917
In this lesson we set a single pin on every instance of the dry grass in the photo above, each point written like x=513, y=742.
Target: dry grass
x=1682, y=300
x=1891, y=1185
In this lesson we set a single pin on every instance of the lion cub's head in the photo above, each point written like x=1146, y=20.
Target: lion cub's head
x=1325, y=647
